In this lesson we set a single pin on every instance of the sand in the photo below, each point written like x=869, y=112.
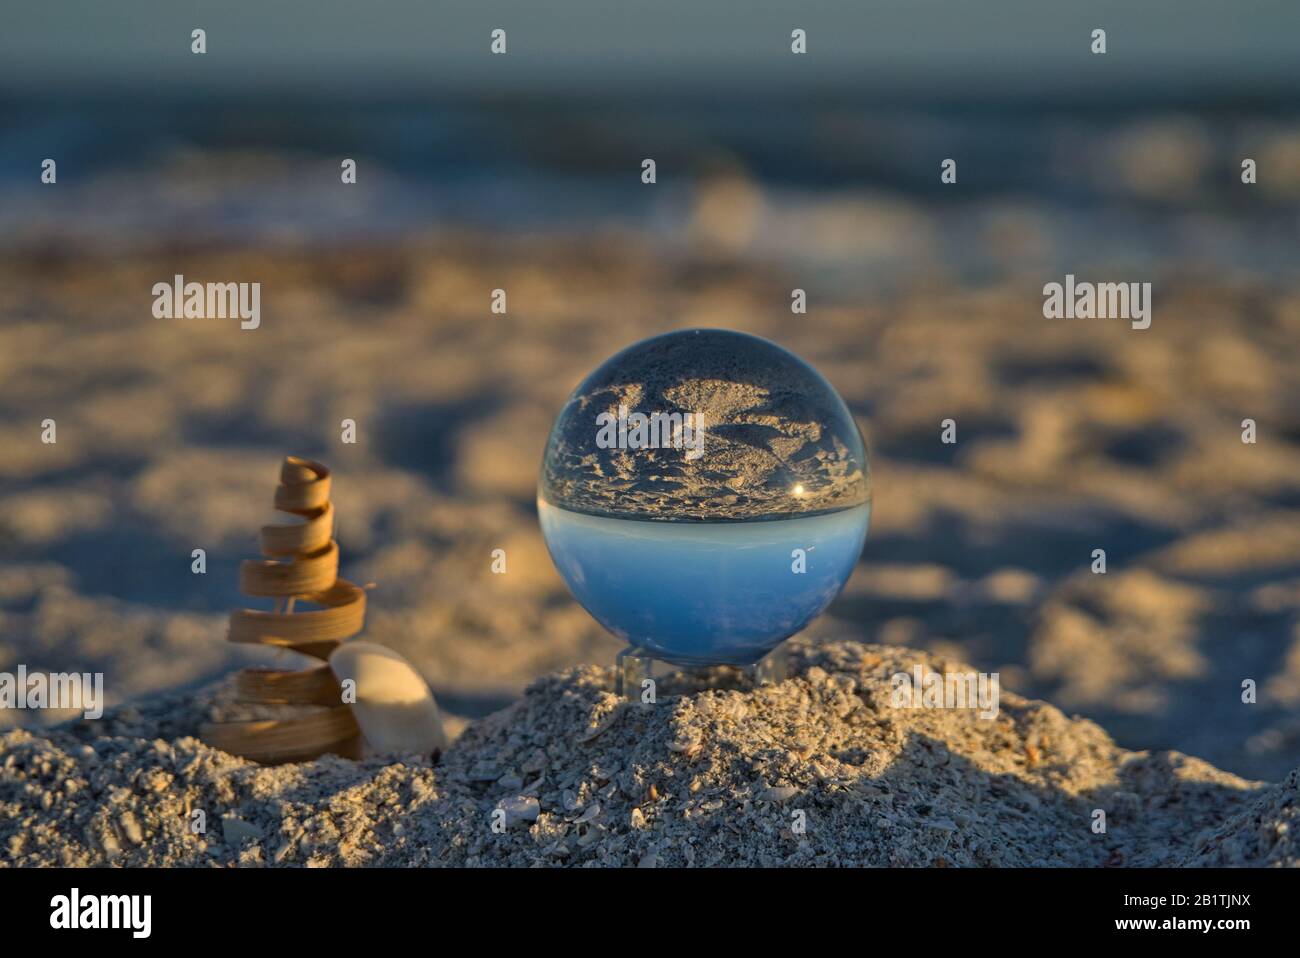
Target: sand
x=1071, y=435
x=821, y=769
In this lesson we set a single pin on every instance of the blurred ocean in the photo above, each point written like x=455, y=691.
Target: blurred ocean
x=852, y=190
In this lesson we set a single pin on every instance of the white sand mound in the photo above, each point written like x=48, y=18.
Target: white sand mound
x=818, y=770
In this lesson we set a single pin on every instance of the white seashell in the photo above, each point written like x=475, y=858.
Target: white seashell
x=520, y=809
x=236, y=831
x=394, y=707
x=778, y=793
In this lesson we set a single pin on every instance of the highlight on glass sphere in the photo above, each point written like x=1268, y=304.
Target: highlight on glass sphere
x=705, y=495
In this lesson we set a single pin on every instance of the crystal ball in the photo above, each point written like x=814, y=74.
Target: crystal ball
x=705, y=494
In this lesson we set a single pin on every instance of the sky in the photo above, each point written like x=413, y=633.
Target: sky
x=874, y=50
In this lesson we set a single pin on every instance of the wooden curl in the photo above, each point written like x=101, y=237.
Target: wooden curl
x=313, y=572
x=278, y=741
x=308, y=570
x=304, y=486
x=343, y=617
x=310, y=536
x=288, y=686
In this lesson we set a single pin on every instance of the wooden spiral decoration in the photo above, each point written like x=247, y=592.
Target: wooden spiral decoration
x=310, y=573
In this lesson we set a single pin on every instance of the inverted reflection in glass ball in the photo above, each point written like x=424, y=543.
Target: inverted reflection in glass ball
x=705, y=494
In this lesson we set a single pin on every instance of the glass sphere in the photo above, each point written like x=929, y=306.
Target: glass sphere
x=705, y=494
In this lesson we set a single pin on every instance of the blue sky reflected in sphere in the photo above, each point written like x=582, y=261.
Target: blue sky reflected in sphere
x=704, y=592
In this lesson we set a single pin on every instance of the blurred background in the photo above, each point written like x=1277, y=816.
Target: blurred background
x=775, y=171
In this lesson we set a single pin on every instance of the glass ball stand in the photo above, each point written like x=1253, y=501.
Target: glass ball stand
x=642, y=677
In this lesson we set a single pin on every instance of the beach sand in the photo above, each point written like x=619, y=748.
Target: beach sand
x=1072, y=436
x=821, y=769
